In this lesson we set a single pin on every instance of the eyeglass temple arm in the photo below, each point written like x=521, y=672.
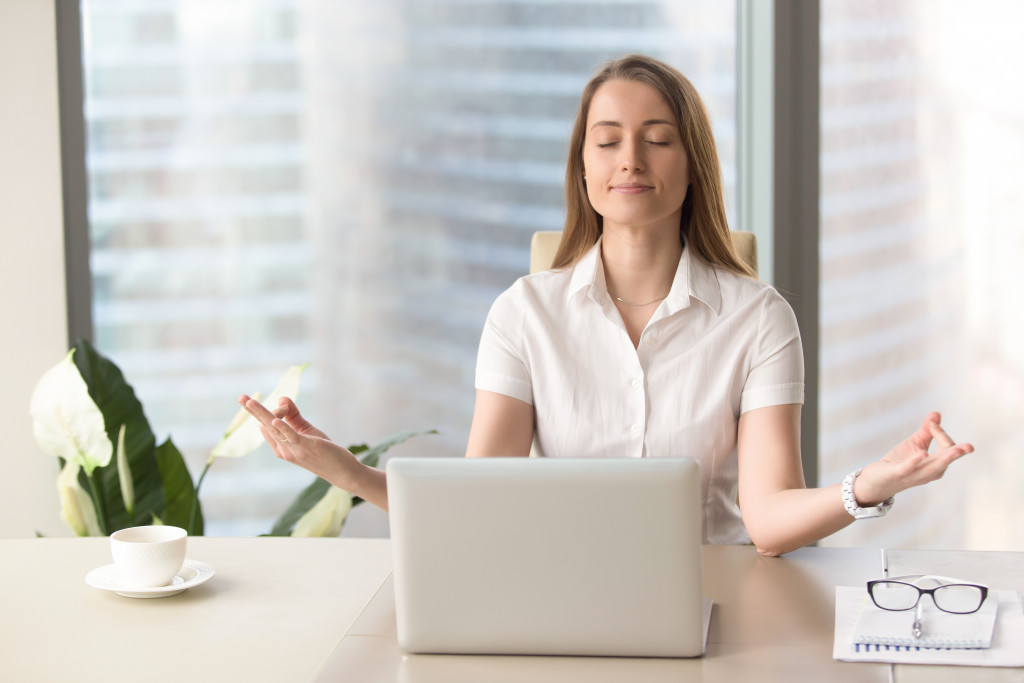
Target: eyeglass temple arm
x=934, y=577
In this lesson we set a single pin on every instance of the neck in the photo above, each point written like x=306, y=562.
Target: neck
x=639, y=267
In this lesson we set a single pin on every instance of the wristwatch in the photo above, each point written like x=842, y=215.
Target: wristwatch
x=850, y=501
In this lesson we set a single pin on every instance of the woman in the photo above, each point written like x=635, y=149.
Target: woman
x=650, y=338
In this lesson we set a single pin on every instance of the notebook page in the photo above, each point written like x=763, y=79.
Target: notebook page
x=1005, y=649
x=940, y=629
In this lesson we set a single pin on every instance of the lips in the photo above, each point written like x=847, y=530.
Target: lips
x=631, y=188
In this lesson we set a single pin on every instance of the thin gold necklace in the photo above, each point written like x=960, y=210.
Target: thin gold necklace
x=630, y=303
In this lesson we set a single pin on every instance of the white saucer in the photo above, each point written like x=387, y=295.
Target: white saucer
x=192, y=573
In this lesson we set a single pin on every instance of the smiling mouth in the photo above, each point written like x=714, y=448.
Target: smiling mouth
x=631, y=188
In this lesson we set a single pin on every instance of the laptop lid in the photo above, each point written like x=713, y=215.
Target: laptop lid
x=540, y=556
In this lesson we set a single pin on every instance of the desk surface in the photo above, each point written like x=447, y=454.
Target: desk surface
x=773, y=620
x=274, y=611
x=297, y=610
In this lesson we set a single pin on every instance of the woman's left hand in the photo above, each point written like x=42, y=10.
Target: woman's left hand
x=909, y=464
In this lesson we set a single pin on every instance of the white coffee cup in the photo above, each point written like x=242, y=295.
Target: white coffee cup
x=148, y=556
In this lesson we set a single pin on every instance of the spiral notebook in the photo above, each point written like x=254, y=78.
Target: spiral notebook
x=941, y=630
x=992, y=639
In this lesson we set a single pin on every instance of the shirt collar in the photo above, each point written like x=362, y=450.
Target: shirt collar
x=694, y=278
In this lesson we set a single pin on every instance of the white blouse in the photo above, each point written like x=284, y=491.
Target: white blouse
x=719, y=345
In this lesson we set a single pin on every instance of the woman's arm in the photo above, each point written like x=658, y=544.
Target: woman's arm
x=781, y=514
x=294, y=439
x=502, y=426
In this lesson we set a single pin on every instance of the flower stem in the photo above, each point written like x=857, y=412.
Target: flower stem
x=97, y=502
x=195, y=498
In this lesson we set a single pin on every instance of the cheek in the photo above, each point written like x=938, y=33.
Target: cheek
x=593, y=188
x=588, y=164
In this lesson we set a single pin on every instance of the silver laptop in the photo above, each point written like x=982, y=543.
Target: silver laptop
x=535, y=556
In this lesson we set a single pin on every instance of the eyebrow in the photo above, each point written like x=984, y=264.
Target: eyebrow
x=648, y=122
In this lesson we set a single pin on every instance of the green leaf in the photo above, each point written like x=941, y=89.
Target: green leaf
x=371, y=456
x=309, y=497
x=178, y=489
x=117, y=402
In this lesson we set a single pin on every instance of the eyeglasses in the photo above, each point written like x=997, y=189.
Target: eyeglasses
x=901, y=593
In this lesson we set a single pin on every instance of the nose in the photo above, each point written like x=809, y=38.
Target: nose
x=631, y=155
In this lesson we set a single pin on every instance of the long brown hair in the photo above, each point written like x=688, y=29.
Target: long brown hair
x=703, y=225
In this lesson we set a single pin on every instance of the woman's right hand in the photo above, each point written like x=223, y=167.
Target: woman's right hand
x=909, y=463
x=296, y=440
x=289, y=412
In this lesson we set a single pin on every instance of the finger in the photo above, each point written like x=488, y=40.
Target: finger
x=288, y=435
x=279, y=437
x=939, y=434
x=956, y=451
x=923, y=436
x=276, y=446
x=258, y=410
x=286, y=409
x=244, y=399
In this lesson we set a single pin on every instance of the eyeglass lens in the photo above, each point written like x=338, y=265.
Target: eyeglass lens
x=955, y=598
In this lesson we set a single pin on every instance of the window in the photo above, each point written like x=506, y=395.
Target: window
x=920, y=246
x=348, y=184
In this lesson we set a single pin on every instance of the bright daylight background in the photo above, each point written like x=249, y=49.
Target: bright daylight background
x=351, y=184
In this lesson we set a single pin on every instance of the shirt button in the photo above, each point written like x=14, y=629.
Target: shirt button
x=635, y=383
x=651, y=339
x=635, y=428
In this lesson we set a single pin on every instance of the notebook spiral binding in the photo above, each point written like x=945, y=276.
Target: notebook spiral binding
x=899, y=644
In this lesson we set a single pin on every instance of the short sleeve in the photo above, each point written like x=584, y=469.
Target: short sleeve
x=500, y=364
x=776, y=375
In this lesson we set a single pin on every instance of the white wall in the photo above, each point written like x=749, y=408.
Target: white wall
x=33, y=327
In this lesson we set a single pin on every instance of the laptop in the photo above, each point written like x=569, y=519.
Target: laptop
x=536, y=556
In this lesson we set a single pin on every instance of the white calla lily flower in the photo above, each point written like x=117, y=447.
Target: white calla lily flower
x=241, y=416
x=327, y=516
x=243, y=434
x=75, y=504
x=124, y=474
x=66, y=421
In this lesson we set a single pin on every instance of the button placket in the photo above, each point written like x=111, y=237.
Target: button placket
x=638, y=402
x=635, y=402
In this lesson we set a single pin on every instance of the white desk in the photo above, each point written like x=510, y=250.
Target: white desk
x=274, y=611
x=996, y=569
x=773, y=620
x=292, y=610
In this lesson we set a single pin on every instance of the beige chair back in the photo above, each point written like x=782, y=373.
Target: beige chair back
x=545, y=243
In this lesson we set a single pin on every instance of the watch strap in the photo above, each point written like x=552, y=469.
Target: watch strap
x=854, y=508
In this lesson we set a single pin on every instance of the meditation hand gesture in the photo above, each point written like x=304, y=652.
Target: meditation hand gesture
x=296, y=440
x=909, y=463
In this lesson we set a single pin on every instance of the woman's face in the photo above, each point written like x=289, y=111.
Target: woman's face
x=635, y=167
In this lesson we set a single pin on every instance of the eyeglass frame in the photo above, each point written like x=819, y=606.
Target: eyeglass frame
x=926, y=591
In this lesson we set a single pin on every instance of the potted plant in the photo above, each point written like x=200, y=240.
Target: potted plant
x=114, y=475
